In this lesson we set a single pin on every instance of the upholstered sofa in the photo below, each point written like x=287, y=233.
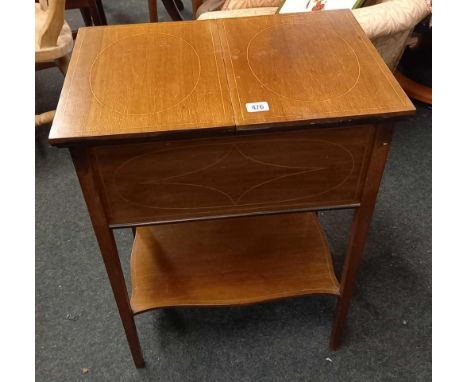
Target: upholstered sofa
x=387, y=23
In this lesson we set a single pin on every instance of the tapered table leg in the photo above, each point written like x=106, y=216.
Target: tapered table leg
x=105, y=237
x=359, y=230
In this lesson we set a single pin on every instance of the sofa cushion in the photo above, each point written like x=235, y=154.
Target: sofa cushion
x=238, y=13
x=239, y=4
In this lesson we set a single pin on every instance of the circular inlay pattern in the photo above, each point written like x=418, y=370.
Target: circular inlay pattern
x=307, y=75
x=141, y=85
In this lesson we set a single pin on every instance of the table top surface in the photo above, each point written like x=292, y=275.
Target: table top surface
x=131, y=81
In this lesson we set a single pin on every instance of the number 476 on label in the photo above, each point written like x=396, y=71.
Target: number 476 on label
x=255, y=107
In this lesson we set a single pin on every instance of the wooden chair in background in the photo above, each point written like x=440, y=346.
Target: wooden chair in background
x=173, y=8
x=92, y=11
x=54, y=42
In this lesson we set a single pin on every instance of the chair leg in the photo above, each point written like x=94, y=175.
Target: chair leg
x=102, y=14
x=44, y=118
x=180, y=5
x=95, y=14
x=86, y=14
x=62, y=63
x=153, y=11
x=172, y=10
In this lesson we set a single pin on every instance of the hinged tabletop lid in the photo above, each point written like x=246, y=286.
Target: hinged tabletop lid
x=307, y=67
x=136, y=80
x=130, y=81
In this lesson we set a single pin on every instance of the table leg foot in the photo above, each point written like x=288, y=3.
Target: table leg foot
x=338, y=324
x=134, y=343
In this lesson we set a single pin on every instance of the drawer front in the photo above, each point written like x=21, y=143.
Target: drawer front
x=178, y=180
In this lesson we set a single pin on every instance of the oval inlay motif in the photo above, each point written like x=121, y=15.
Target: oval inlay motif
x=306, y=77
x=234, y=174
x=149, y=81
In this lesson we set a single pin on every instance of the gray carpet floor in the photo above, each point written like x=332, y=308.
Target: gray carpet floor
x=388, y=338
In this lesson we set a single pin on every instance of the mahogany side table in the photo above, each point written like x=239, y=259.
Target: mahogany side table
x=220, y=169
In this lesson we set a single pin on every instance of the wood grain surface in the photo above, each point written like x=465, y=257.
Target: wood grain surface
x=184, y=179
x=82, y=159
x=156, y=119
x=159, y=132
x=143, y=80
x=308, y=67
x=129, y=80
x=359, y=230
x=232, y=261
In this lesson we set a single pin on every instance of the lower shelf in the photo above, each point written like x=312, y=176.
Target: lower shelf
x=230, y=261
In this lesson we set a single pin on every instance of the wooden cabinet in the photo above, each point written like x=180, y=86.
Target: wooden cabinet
x=216, y=141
